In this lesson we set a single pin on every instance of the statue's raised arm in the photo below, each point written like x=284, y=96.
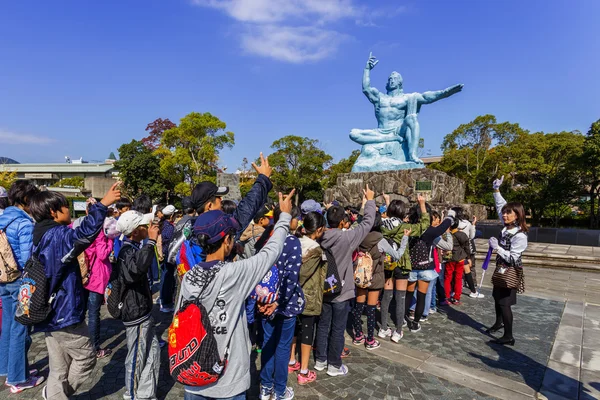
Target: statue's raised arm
x=369, y=91
x=433, y=96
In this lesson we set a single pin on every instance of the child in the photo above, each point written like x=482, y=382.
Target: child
x=122, y=206
x=312, y=279
x=18, y=227
x=340, y=244
x=222, y=288
x=254, y=231
x=378, y=248
x=143, y=353
x=70, y=351
x=456, y=266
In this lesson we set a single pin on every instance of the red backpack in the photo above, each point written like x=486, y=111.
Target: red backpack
x=194, y=358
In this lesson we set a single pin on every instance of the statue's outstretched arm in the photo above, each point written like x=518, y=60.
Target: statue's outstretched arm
x=430, y=97
x=369, y=91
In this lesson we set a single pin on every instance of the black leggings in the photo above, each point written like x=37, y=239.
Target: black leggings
x=504, y=316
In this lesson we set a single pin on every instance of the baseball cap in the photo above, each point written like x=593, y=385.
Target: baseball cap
x=169, y=210
x=310, y=205
x=131, y=219
x=186, y=203
x=3, y=192
x=215, y=224
x=204, y=191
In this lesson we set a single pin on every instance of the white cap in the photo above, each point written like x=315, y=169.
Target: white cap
x=130, y=220
x=3, y=192
x=169, y=210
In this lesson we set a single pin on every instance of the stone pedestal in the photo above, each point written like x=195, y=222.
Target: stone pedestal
x=440, y=189
x=232, y=181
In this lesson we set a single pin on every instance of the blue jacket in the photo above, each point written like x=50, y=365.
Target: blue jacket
x=57, y=247
x=18, y=226
x=252, y=203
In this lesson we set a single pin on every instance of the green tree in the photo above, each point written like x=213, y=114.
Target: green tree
x=76, y=181
x=590, y=168
x=189, y=153
x=475, y=151
x=298, y=162
x=343, y=166
x=139, y=169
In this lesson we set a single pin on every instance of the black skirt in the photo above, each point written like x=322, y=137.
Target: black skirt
x=504, y=296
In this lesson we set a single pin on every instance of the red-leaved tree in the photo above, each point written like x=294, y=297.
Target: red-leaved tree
x=155, y=130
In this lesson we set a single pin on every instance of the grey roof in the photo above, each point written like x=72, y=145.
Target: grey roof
x=61, y=168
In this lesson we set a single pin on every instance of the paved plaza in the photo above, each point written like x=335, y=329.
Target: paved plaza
x=556, y=356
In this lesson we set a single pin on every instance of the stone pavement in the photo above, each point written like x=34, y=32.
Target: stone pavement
x=556, y=352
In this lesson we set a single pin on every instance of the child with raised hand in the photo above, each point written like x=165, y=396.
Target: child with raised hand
x=223, y=287
x=397, y=280
x=70, y=351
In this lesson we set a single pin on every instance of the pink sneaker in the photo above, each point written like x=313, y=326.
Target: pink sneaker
x=310, y=376
x=293, y=367
x=32, y=382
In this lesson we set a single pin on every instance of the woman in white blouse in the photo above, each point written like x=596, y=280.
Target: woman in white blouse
x=508, y=276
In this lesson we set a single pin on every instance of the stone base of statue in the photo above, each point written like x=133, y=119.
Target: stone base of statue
x=440, y=189
x=388, y=156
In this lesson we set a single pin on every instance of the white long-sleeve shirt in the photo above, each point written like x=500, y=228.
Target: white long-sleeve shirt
x=518, y=243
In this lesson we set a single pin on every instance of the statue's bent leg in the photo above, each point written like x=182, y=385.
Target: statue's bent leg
x=412, y=137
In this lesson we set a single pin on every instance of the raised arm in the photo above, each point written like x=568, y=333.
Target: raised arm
x=498, y=199
x=431, y=97
x=371, y=93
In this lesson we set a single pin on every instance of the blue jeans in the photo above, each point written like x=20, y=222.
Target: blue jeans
x=431, y=295
x=275, y=356
x=192, y=396
x=94, y=303
x=15, y=340
x=330, y=332
x=167, y=285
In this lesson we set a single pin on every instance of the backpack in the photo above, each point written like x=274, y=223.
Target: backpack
x=363, y=269
x=9, y=269
x=419, y=254
x=113, y=294
x=34, y=300
x=388, y=263
x=333, y=282
x=194, y=358
x=267, y=291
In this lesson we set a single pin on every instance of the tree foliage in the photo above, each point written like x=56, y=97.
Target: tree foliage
x=76, y=181
x=590, y=162
x=298, y=162
x=139, y=169
x=189, y=152
x=155, y=131
x=7, y=177
x=343, y=166
x=542, y=170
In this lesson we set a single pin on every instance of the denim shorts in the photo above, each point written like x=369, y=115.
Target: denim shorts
x=427, y=275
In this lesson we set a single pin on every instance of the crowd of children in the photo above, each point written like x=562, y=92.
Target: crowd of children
x=279, y=279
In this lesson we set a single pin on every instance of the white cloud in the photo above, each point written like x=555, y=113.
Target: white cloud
x=8, y=138
x=295, y=31
x=291, y=44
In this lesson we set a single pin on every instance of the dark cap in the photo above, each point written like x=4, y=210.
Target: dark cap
x=186, y=203
x=204, y=191
x=215, y=224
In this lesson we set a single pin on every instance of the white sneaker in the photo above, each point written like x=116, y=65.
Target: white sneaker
x=397, y=336
x=167, y=309
x=476, y=295
x=320, y=365
x=333, y=371
x=384, y=333
x=432, y=311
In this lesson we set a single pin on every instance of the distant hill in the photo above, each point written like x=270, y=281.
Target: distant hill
x=6, y=160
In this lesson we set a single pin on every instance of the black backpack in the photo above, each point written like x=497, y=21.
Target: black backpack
x=113, y=294
x=34, y=303
x=419, y=254
x=333, y=283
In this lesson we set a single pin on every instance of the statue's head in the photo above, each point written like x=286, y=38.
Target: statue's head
x=394, y=82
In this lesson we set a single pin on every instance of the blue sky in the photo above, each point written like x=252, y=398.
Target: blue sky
x=80, y=78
